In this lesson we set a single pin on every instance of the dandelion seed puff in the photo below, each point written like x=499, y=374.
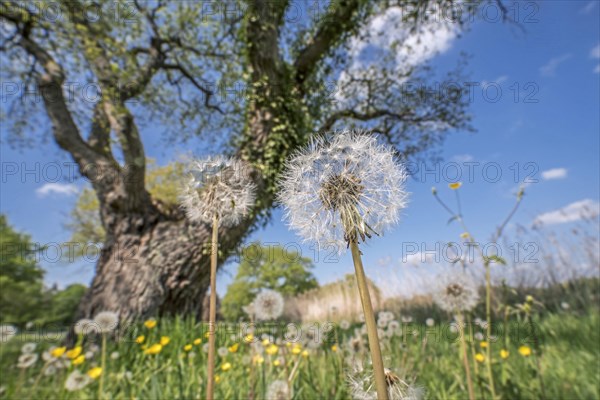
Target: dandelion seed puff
x=393, y=325
x=106, y=321
x=77, y=381
x=430, y=322
x=344, y=324
x=268, y=305
x=218, y=185
x=344, y=189
x=406, y=320
x=28, y=348
x=85, y=327
x=564, y=305
x=27, y=360
x=362, y=386
x=478, y=336
x=114, y=355
x=278, y=390
x=7, y=332
x=222, y=351
x=456, y=292
x=50, y=370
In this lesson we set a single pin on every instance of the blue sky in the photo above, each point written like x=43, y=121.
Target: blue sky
x=550, y=130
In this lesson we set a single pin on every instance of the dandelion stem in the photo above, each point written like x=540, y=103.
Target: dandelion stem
x=103, y=365
x=463, y=349
x=210, y=388
x=365, y=298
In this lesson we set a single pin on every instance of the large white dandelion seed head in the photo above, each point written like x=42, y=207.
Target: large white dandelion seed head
x=456, y=292
x=268, y=305
x=361, y=383
x=221, y=186
x=27, y=360
x=77, y=381
x=278, y=390
x=106, y=321
x=342, y=189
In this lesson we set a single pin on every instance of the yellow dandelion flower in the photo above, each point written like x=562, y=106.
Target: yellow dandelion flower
x=143, y=347
x=288, y=344
x=95, y=372
x=79, y=360
x=198, y=342
x=140, y=339
x=272, y=349
x=151, y=323
x=258, y=359
x=265, y=342
x=154, y=349
x=226, y=367
x=74, y=352
x=465, y=235
x=479, y=357
x=334, y=348
x=483, y=344
x=276, y=363
x=525, y=351
x=206, y=335
x=234, y=348
x=297, y=349
x=249, y=338
x=504, y=354
x=187, y=347
x=217, y=379
x=164, y=340
x=58, y=352
x=305, y=353
x=454, y=185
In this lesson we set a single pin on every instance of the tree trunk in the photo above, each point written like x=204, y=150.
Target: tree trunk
x=155, y=264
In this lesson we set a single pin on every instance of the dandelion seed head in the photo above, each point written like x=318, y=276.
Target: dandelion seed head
x=77, y=381
x=268, y=305
x=456, y=292
x=85, y=326
x=278, y=390
x=362, y=385
x=343, y=189
x=106, y=321
x=218, y=185
x=28, y=348
x=27, y=360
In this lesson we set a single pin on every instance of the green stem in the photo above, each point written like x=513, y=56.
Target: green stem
x=376, y=359
x=488, y=317
x=465, y=358
x=103, y=366
x=210, y=385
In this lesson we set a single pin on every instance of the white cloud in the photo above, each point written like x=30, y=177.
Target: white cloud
x=462, y=158
x=550, y=68
x=583, y=209
x=498, y=81
x=588, y=8
x=554, y=173
x=62, y=189
x=597, y=69
x=595, y=52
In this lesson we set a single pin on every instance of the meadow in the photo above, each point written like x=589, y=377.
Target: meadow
x=166, y=359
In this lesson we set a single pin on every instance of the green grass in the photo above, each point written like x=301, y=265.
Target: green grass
x=569, y=362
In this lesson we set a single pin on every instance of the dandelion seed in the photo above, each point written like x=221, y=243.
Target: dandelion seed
x=278, y=390
x=343, y=189
x=456, y=292
x=106, y=321
x=268, y=305
x=27, y=360
x=28, y=348
x=77, y=381
x=218, y=186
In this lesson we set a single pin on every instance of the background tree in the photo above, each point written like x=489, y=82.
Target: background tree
x=177, y=64
x=267, y=267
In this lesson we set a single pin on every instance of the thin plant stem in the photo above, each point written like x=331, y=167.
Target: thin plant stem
x=376, y=359
x=103, y=366
x=463, y=350
x=210, y=384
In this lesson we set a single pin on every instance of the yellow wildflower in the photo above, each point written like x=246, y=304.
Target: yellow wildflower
x=59, y=351
x=164, y=340
x=206, y=334
x=79, y=360
x=276, y=363
x=305, y=353
x=217, y=379
x=265, y=342
x=525, y=351
x=483, y=344
x=187, y=347
x=74, y=352
x=258, y=359
x=95, y=372
x=465, y=235
x=504, y=354
x=226, y=367
x=297, y=349
x=140, y=339
x=154, y=349
x=334, y=348
x=479, y=357
x=198, y=342
x=151, y=323
x=234, y=348
x=288, y=344
x=249, y=338
x=272, y=349
x=454, y=185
